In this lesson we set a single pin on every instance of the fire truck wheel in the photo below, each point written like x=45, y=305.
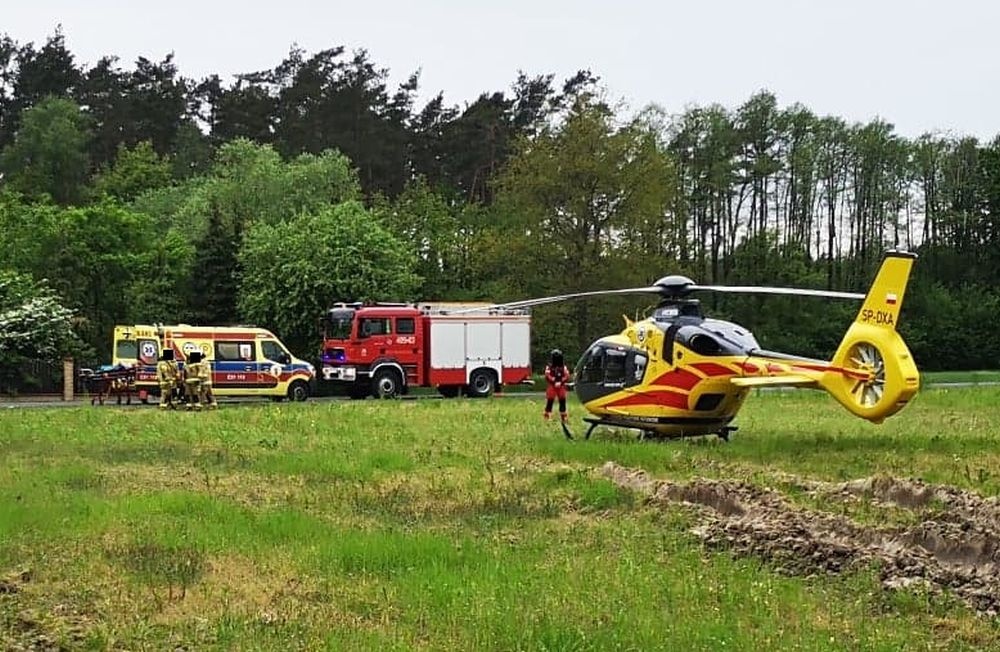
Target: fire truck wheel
x=298, y=391
x=386, y=384
x=481, y=383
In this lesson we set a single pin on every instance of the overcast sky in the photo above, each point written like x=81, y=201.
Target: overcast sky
x=924, y=66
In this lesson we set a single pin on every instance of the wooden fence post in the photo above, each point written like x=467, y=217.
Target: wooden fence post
x=69, y=380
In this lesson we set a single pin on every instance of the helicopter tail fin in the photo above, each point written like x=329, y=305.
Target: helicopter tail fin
x=873, y=373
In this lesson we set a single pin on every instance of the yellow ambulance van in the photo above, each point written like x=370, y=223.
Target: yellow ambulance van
x=245, y=361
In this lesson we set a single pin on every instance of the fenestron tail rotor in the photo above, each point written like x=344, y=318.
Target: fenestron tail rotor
x=865, y=357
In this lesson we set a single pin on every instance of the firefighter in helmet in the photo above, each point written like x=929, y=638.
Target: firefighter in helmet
x=556, y=378
x=192, y=380
x=167, y=375
x=205, y=395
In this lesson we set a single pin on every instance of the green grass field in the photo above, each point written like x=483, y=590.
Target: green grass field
x=985, y=376
x=446, y=525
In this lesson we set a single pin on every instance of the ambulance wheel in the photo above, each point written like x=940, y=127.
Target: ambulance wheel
x=387, y=384
x=298, y=391
x=481, y=383
x=449, y=391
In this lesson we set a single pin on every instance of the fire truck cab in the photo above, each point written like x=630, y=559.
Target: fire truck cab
x=382, y=350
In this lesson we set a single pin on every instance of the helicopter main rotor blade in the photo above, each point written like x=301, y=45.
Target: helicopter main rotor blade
x=529, y=303
x=757, y=289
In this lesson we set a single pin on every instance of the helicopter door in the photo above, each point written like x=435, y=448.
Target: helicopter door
x=607, y=369
x=615, y=363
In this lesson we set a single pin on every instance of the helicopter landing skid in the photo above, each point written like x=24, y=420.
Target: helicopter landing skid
x=594, y=423
x=725, y=431
x=645, y=433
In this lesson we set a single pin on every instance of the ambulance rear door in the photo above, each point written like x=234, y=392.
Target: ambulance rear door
x=139, y=347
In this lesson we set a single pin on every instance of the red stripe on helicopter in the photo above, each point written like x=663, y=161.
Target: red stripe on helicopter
x=712, y=369
x=850, y=373
x=678, y=378
x=660, y=397
x=749, y=367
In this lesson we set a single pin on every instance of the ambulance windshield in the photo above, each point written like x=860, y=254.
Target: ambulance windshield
x=127, y=349
x=337, y=325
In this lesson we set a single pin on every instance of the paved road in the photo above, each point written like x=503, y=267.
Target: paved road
x=226, y=400
x=55, y=403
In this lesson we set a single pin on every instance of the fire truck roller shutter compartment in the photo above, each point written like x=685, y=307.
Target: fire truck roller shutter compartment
x=516, y=344
x=483, y=342
x=447, y=344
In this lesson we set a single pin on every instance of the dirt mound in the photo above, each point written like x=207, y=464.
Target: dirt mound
x=955, y=546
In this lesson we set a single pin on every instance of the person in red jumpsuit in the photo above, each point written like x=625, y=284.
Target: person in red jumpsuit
x=556, y=378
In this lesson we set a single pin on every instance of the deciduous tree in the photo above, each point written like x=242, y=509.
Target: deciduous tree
x=294, y=270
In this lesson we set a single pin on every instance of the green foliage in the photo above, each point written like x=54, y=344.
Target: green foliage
x=28, y=75
x=952, y=328
x=21, y=227
x=433, y=229
x=34, y=324
x=93, y=256
x=205, y=217
x=250, y=183
x=49, y=152
x=135, y=171
x=213, y=274
x=294, y=270
x=588, y=197
x=160, y=288
x=192, y=152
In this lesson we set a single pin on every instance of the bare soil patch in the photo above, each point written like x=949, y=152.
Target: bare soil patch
x=954, y=546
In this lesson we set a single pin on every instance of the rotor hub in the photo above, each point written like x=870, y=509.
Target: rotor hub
x=674, y=285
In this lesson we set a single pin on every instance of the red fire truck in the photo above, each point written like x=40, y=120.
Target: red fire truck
x=382, y=350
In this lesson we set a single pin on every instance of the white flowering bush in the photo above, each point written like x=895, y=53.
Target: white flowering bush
x=33, y=325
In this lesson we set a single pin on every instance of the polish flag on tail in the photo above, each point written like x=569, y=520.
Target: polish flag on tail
x=891, y=299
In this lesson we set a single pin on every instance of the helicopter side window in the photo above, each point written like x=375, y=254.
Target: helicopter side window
x=697, y=339
x=638, y=368
x=614, y=368
x=705, y=345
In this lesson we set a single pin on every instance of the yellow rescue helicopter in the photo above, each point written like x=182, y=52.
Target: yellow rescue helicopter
x=678, y=373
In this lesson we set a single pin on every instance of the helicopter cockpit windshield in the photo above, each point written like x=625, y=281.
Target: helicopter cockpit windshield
x=606, y=368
